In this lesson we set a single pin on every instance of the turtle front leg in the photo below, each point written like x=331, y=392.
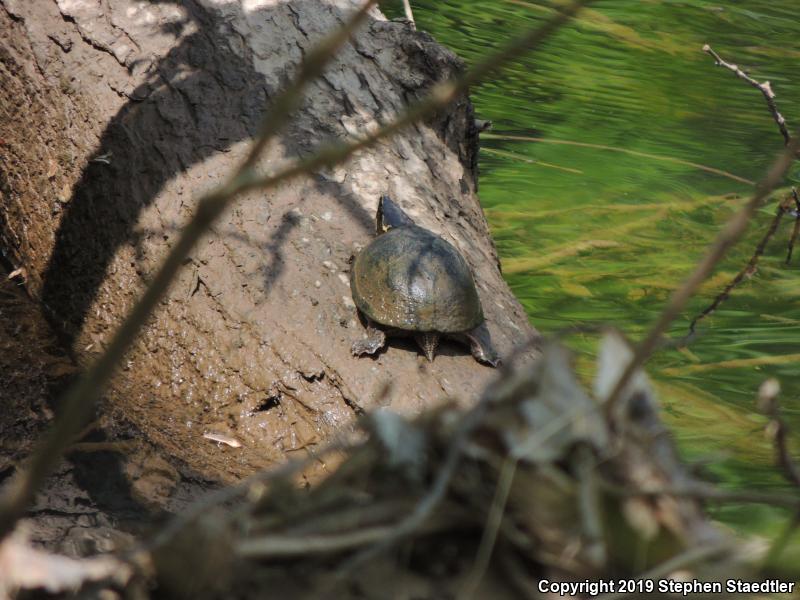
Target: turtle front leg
x=428, y=341
x=480, y=344
x=375, y=340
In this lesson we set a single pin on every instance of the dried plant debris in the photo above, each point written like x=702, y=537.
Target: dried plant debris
x=538, y=480
x=550, y=412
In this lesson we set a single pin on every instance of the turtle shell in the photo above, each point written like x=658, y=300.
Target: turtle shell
x=409, y=278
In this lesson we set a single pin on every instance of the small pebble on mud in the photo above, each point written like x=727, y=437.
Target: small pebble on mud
x=327, y=216
x=329, y=265
x=318, y=284
x=344, y=279
x=348, y=302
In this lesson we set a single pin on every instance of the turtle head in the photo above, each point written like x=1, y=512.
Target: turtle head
x=390, y=216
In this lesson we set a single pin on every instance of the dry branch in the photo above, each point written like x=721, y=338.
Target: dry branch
x=409, y=13
x=778, y=430
x=783, y=207
x=765, y=88
x=747, y=271
x=796, y=228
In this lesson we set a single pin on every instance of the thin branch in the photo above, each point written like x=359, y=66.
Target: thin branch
x=282, y=546
x=778, y=430
x=765, y=88
x=584, y=464
x=409, y=13
x=493, y=522
x=768, y=404
x=796, y=228
x=79, y=399
x=747, y=271
x=730, y=234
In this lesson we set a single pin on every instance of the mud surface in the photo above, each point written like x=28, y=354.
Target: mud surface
x=104, y=492
x=116, y=116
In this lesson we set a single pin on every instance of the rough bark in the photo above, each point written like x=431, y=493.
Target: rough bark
x=116, y=114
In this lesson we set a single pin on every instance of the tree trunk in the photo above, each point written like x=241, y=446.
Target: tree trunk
x=117, y=114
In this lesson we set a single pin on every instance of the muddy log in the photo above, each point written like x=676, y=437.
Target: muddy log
x=117, y=115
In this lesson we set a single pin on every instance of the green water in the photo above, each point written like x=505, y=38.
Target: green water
x=593, y=235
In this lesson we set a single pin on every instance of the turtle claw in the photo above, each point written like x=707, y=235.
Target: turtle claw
x=492, y=361
x=375, y=340
x=480, y=344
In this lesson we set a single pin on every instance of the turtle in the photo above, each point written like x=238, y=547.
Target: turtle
x=410, y=282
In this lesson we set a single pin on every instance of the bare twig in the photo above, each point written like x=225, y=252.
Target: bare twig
x=783, y=207
x=768, y=404
x=747, y=271
x=730, y=234
x=764, y=88
x=409, y=13
x=79, y=399
x=778, y=430
x=281, y=546
x=493, y=523
x=589, y=502
x=796, y=228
